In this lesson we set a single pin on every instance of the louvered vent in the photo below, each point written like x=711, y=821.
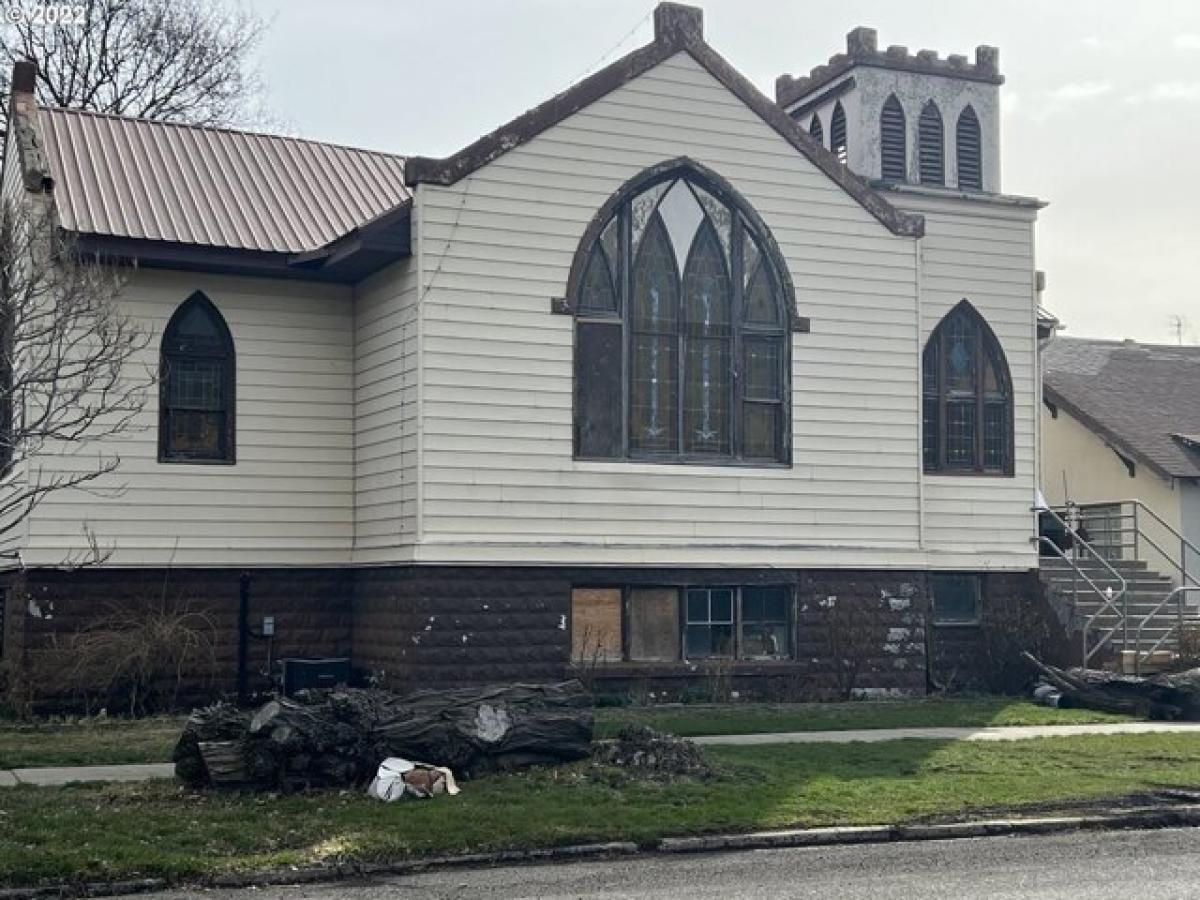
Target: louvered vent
x=930, y=149
x=837, y=133
x=968, y=147
x=891, y=140
x=815, y=129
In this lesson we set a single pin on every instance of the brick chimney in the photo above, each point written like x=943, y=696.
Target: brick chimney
x=24, y=129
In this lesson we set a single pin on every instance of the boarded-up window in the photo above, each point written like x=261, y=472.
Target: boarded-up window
x=596, y=625
x=654, y=624
x=815, y=129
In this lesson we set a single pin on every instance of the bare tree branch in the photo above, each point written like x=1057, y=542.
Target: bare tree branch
x=176, y=60
x=70, y=383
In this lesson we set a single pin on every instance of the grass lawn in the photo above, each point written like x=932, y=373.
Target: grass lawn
x=751, y=718
x=113, y=741
x=110, y=831
x=92, y=742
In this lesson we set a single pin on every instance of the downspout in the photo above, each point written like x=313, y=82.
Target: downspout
x=918, y=262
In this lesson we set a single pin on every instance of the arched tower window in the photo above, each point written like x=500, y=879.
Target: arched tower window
x=968, y=150
x=837, y=133
x=931, y=145
x=967, y=395
x=892, y=142
x=196, y=386
x=815, y=129
x=683, y=317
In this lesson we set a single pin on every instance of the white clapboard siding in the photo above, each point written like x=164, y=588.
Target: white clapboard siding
x=983, y=252
x=12, y=538
x=498, y=478
x=385, y=385
x=289, y=499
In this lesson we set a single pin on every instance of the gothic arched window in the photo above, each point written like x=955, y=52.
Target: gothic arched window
x=837, y=133
x=968, y=151
x=892, y=142
x=815, y=129
x=931, y=153
x=967, y=396
x=683, y=320
x=196, y=385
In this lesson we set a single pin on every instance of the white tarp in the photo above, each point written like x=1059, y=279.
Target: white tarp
x=399, y=779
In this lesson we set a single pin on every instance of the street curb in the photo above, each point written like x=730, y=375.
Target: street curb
x=1115, y=820
x=1148, y=817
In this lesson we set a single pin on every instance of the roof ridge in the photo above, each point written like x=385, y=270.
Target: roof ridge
x=1121, y=342
x=222, y=129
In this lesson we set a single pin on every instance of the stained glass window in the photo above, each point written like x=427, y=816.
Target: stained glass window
x=703, y=359
x=197, y=379
x=966, y=397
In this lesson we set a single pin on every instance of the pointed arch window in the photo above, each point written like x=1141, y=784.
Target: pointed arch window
x=968, y=150
x=931, y=152
x=196, y=386
x=816, y=130
x=683, y=320
x=837, y=133
x=892, y=142
x=967, y=398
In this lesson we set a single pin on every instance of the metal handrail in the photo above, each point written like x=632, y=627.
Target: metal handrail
x=1141, y=655
x=1138, y=532
x=1107, y=596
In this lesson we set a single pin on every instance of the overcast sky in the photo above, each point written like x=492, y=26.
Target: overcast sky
x=1101, y=105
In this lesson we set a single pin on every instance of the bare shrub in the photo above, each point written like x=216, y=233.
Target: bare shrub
x=854, y=635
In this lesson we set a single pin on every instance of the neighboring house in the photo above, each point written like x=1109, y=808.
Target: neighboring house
x=659, y=372
x=1121, y=422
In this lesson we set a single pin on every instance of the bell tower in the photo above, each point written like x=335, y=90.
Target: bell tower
x=895, y=117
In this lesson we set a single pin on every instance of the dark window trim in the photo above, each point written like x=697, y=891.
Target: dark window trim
x=988, y=346
x=165, y=455
x=977, y=583
x=713, y=183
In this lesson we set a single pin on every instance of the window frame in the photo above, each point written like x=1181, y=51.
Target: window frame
x=977, y=589
x=893, y=141
x=228, y=356
x=987, y=347
x=681, y=590
x=743, y=217
x=927, y=142
x=966, y=128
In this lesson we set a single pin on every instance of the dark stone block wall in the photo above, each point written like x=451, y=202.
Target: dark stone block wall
x=855, y=632
x=311, y=608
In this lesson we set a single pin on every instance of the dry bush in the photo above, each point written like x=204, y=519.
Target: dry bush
x=134, y=656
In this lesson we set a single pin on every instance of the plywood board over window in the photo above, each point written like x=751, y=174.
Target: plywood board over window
x=654, y=624
x=596, y=625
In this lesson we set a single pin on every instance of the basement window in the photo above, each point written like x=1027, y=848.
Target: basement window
x=673, y=624
x=956, y=599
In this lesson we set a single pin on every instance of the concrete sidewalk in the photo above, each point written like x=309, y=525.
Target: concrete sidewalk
x=66, y=774
x=991, y=733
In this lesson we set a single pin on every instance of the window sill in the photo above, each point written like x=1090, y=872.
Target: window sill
x=958, y=624
x=691, y=466
x=965, y=473
x=183, y=461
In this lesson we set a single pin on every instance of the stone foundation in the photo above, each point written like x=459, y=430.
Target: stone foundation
x=853, y=633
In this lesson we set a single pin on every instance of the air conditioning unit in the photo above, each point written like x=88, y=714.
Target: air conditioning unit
x=309, y=674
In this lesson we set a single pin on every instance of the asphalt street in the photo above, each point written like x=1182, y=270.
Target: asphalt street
x=1142, y=864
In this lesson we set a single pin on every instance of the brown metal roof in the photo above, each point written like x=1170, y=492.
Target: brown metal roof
x=161, y=181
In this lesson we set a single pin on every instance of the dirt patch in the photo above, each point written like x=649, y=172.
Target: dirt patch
x=648, y=752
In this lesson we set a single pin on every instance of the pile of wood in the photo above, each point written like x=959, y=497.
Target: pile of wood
x=1169, y=696
x=339, y=737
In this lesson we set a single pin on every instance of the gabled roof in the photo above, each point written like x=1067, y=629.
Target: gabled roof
x=184, y=184
x=1142, y=398
x=677, y=29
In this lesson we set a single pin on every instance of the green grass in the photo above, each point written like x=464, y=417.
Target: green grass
x=90, y=742
x=111, y=831
x=115, y=741
x=751, y=718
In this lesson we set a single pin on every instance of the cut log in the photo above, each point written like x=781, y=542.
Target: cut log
x=1163, y=696
x=340, y=737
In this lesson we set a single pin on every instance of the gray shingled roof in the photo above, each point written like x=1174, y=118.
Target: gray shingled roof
x=1143, y=397
x=160, y=181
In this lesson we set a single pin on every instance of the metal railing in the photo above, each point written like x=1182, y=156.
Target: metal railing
x=1176, y=629
x=1114, y=602
x=1117, y=529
